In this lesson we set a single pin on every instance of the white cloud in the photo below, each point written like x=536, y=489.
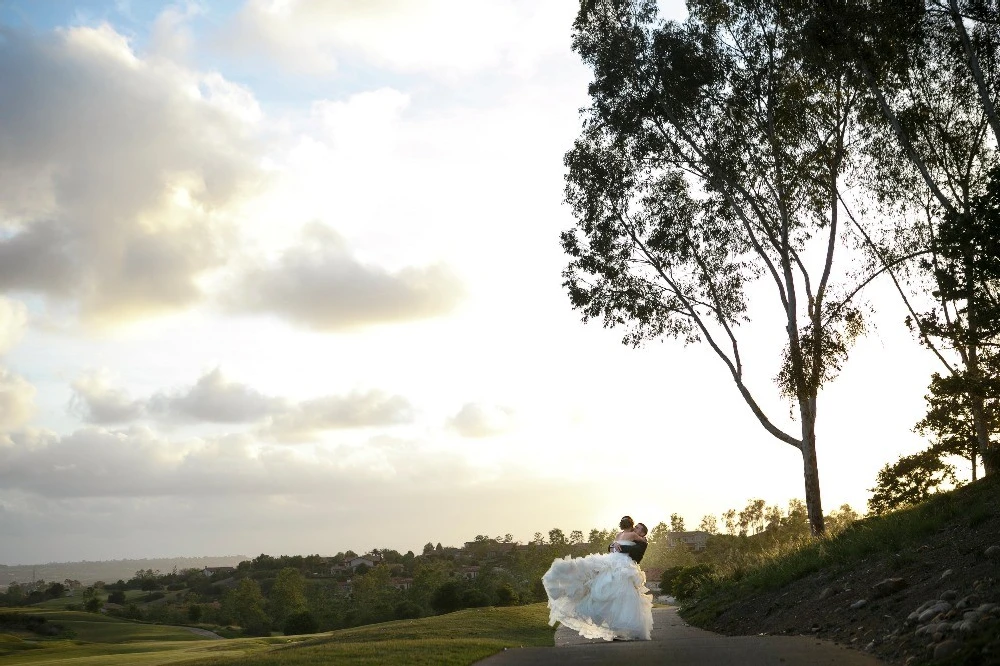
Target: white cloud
x=305, y=421
x=452, y=37
x=119, y=176
x=13, y=318
x=481, y=420
x=322, y=285
x=95, y=400
x=215, y=399
x=17, y=400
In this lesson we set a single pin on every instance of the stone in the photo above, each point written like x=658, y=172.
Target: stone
x=945, y=649
x=993, y=552
x=930, y=613
x=870, y=647
x=888, y=586
x=949, y=595
x=827, y=593
x=947, y=574
x=860, y=603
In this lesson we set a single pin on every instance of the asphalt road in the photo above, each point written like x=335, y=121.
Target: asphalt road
x=676, y=643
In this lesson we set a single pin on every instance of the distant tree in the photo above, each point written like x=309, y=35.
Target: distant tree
x=506, y=595
x=55, y=591
x=300, y=622
x=841, y=518
x=659, y=533
x=93, y=605
x=751, y=518
x=556, y=537
x=709, y=524
x=538, y=538
x=117, y=597
x=909, y=481
x=438, y=548
x=428, y=548
x=576, y=536
x=773, y=518
x=447, y=597
x=287, y=595
x=245, y=603
x=473, y=598
x=676, y=523
x=195, y=611
x=407, y=610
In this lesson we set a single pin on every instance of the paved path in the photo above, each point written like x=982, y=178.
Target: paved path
x=678, y=644
x=202, y=632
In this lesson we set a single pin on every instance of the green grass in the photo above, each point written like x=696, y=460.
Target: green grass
x=459, y=638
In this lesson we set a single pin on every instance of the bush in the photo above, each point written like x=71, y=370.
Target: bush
x=684, y=582
x=446, y=598
x=117, y=597
x=473, y=598
x=302, y=622
x=93, y=605
x=407, y=610
x=506, y=595
x=195, y=612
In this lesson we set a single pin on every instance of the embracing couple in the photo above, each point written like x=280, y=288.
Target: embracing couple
x=604, y=595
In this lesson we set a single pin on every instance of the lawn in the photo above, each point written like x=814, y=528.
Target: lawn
x=458, y=638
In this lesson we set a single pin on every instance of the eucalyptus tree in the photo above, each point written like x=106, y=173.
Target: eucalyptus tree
x=930, y=70
x=710, y=163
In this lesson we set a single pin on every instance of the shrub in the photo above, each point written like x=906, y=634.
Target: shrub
x=473, y=598
x=506, y=595
x=407, y=610
x=301, y=622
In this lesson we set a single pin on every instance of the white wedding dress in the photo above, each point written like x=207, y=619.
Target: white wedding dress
x=600, y=596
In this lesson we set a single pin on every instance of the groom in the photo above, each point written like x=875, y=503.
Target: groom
x=638, y=549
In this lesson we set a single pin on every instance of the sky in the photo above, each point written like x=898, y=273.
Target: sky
x=284, y=277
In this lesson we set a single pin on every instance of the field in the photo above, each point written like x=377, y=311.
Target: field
x=457, y=638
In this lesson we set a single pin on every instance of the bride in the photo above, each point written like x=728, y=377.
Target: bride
x=602, y=595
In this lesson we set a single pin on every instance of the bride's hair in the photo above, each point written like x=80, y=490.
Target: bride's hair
x=626, y=523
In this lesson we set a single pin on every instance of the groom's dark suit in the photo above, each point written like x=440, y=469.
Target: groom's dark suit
x=635, y=551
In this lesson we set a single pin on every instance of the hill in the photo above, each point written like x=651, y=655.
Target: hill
x=917, y=586
x=108, y=571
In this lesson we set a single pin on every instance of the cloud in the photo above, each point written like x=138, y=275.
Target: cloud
x=119, y=176
x=479, y=420
x=94, y=400
x=305, y=421
x=314, y=36
x=17, y=400
x=215, y=399
x=321, y=285
x=13, y=318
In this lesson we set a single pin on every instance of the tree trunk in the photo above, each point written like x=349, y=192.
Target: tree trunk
x=814, y=503
x=989, y=453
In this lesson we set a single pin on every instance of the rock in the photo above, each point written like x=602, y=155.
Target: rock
x=827, y=593
x=986, y=608
x=993, y=552
x=870, y=647
x=949, y=595
x=972, y=616
x=947, y=573
x=860, y=603
x=888, y=586
x=939, y=607
x=945, y=649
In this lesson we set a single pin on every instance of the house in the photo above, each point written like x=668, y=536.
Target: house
x=401, y=583
x=469, y=573
x=208, y=572
x=697, y=540
x=370, y=560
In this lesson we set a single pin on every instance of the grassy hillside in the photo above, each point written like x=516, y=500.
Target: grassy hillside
x=457, y=638
x=863, y=586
